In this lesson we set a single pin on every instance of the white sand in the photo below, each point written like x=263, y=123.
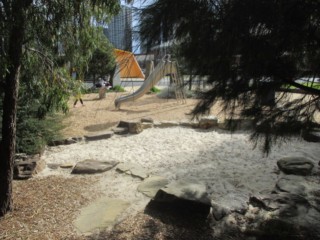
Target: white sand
x=226, y=163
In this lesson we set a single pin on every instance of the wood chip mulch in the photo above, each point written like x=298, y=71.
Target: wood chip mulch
x=44, y=208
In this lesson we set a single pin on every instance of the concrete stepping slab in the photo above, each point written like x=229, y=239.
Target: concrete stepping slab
x=132, y=169
x=100, y=215
x=91, y=166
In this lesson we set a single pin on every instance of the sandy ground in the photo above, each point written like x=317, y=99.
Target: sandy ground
x=227, y=164
x=98, y=114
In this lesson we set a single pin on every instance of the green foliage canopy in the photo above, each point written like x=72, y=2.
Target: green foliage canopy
x=248, y=49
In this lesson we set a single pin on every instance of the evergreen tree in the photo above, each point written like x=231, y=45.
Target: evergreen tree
x=31, y=33
x=250, y=50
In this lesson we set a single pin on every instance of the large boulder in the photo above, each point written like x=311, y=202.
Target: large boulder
x=182, y=199
x=185, y=189
x=91, y=166
x=295, y=165
x=285, y=216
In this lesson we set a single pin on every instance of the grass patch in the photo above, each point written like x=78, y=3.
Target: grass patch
x=117, y=88
x=315, y=85
x=154, y=90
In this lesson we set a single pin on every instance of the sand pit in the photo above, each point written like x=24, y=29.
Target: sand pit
x=231, y=169
x=226, y=163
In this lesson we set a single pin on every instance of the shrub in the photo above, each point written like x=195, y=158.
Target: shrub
x=34, y=134
x=155, y=90
x=117, y=88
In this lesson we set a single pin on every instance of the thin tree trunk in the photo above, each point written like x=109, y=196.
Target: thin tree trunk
x=190, y=81
x=7, y=147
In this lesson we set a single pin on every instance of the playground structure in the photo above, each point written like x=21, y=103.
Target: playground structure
x=128, y=66
x=164, y=68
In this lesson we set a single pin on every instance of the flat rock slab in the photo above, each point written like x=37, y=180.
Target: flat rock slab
x=100, y=215
x=151, y=185
x=166, y=124
x=146, y=125
x=91, y=166
x=291, y=185
x=99, y=135
x=135, y=170
x=67, y=165
x=120, y=130
x=185, y=189
x=208, y=122
x=134, y=127
x=295, y=165
x=230, y=202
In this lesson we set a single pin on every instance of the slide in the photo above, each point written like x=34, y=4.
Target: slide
x=160, y=71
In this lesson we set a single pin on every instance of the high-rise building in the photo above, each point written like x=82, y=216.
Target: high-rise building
x=119, y=30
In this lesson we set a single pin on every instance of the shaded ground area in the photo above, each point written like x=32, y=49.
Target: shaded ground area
x=162, y=221
x=45, y=208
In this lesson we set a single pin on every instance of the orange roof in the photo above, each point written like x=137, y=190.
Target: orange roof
x=129, y=67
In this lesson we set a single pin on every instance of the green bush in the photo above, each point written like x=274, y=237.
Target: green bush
x=34, y=134
x=117, y=88
x=155, y=90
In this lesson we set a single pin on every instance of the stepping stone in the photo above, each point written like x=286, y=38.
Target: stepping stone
x=99, y=135
x=187, y=123
x=133, y=169
x=208, y=122
x=295, y=165
x=133, y=127
x=147, y=120
x=151, y=185
x=90, y=166
x=291, y=185
x=120, y=130
x=165, y=124
x=53, y=166
x=67, y=165
x=146, y=125
x=100, y=215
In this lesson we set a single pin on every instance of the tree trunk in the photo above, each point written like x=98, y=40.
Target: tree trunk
x=7, y=147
